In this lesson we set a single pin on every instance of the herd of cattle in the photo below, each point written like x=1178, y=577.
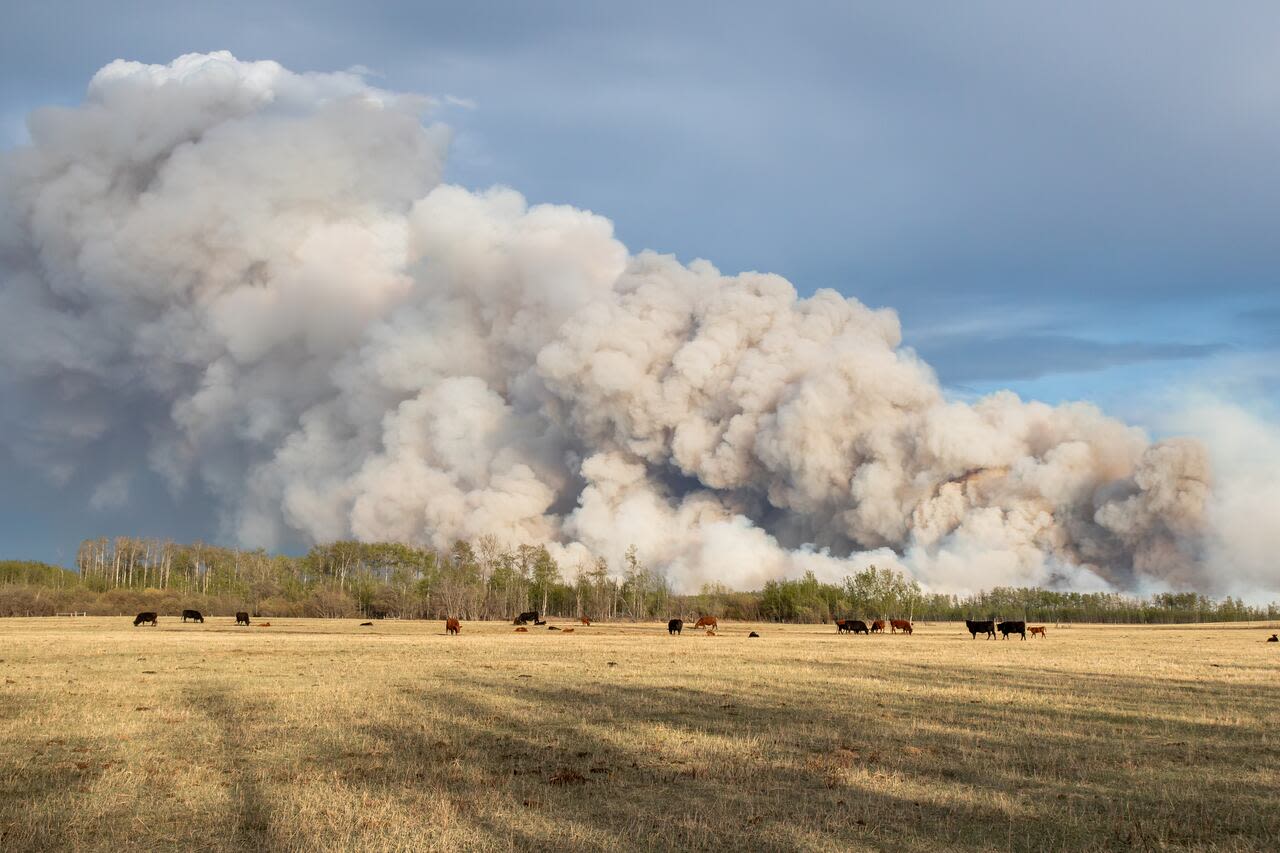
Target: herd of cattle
x=675, y=626
x=988, y=627
x=150, y=617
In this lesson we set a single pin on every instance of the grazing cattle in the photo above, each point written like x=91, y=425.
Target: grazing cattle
x=752, y=634
x=1273, y=639
x=977, y=627
x=530, y=616
x=674, y=626
x=522, y=630
x=567, y=631
x=452, y=626
x=877, y=627
x=1037, y=629
x=706, y=622
x=242, y=618
x=193, y=615
x=1007, y=628
x=584, y=620
x=147, y=618
x=896, y=625
x=852, y=626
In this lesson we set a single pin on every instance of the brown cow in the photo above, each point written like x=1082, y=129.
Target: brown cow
x=896, y=625
x=710, y=633
x=877, y=627
x=522, y=630
x=567, y=631
x=706, y=622
x=452, y=626
x=584, y=620
x=1038, y=629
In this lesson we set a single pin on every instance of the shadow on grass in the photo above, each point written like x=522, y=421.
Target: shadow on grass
x=39, y=784
x=624, y=767
x=251, y=825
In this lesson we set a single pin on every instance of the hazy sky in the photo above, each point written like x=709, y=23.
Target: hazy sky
x=1073, y=201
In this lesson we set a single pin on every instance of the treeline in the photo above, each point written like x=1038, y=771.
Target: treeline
x=487, y=580
x=480, y=580
x=883, y=593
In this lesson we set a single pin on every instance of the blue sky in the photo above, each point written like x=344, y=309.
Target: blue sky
x=1076, y=201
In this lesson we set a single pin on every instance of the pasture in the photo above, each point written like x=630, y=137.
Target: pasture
x=323, y=735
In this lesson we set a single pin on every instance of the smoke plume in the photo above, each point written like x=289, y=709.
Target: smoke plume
x=260, y=274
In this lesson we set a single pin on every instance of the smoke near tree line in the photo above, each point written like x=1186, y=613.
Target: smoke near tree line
x=257, y=281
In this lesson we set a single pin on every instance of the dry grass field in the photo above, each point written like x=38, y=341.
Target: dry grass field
x=323, y=735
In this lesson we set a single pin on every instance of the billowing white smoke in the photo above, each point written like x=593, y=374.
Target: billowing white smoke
x=260, y=272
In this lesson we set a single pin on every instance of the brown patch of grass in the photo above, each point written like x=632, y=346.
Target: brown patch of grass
x=316, y=734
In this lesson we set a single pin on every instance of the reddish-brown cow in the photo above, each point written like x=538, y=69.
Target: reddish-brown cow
x=452, y=626
x=522, y=630
x=584, y=620
x=1037, y=629
x=877, y=627
x=706, y=622
x=896, y=625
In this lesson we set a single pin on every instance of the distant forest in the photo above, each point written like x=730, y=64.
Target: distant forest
x=485, y=580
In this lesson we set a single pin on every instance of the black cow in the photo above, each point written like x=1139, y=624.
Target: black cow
x=552, y=628
x=366, y=624
x=975, y=628
x=1273, y=639
x=752, y=634
x=853, y=626
x=193, y=615
x=145, y=618
x=540, y=621
x=675, y=626
x=242, y=618
x=1007, y=628
x=524, y=618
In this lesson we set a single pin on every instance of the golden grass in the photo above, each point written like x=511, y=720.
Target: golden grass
x=323, y=735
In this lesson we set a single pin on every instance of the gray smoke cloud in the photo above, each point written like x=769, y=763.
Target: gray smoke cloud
x=260, y=276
